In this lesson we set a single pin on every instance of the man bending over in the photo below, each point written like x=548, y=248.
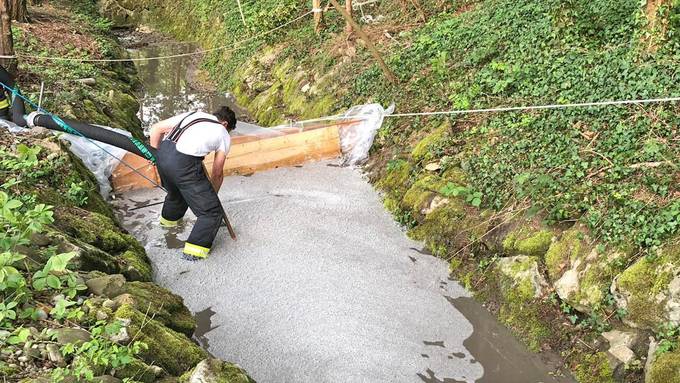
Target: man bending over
x=182, y=142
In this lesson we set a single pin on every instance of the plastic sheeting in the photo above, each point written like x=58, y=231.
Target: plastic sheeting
x=356, y=139
x=12, y=127
x=95, y=157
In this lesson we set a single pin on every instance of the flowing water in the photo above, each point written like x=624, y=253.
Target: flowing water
x=168, y=88
x=321, y=286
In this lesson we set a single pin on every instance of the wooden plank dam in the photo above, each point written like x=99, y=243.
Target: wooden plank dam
x=277, y=147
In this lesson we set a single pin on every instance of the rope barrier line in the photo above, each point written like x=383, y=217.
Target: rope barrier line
x=16, y=93
x=501, y=109
x=539, y=107
x=224, y=48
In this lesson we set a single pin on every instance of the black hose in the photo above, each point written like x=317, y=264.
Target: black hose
x=96, y=133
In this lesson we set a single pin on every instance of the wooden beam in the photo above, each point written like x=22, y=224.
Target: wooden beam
x=248, y=154
x=388, y=73
x=287, y=150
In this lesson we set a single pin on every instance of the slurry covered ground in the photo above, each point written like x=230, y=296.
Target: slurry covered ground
x=323, y=286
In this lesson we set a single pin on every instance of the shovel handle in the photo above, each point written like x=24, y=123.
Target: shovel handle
x=232, y=233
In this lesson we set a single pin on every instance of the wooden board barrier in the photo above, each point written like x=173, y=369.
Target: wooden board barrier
x=286, y=150
x=124, y=179
x=248, y=154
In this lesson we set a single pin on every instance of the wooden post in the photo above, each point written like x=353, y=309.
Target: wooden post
x=348, y=8
x=318, y=15
x=388, y=73
x=240, y=9
x=6, y=41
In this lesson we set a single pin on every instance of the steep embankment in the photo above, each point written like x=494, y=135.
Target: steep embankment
x=566, y=222
x=76, y=291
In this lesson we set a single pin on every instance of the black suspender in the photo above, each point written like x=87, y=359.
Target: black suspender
x=179, y=130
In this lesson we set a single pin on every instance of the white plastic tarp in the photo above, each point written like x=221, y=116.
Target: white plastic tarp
x=356, y=139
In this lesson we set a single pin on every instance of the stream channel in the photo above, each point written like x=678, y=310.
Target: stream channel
x=322, y=285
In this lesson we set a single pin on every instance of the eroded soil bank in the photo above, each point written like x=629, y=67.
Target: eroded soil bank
x=323, y=286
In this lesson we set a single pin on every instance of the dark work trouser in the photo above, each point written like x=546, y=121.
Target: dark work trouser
x=188, y=186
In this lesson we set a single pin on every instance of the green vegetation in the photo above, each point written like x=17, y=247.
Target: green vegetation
x=26, y=292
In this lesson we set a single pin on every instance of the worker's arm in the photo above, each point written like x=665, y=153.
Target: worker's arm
x=217, y=174
x=158, y=130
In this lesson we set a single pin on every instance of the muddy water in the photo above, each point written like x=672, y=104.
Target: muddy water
x=204, y=326
x=496, y=349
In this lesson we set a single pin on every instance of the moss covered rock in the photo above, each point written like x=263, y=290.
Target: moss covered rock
x=160, y=303
x=665, y=369
x=521, y=285
x=528, y=241
x=594, y=368
x=425, y=149
x=443, y=229
x=418, y=198
x=569, y=247
x=172, y=351
x=582, y=272
x=139, y=371
x=396, y=179
x=521, y=272
x=650, y=289
x=102, y=232
x=216, y=371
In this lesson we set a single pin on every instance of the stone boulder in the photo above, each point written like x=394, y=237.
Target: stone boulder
x=109, y=286
x=582, y=273
x=168, y=349
x=216, y=371
x=649, y=290
x=621, y=344
x=67, y=335
x=523, y=274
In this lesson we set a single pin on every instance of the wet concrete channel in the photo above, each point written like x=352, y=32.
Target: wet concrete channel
x=322, y=285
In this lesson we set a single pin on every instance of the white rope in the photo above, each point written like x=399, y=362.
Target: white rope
x=200, y=52
x=539, y=107
x=506, y=109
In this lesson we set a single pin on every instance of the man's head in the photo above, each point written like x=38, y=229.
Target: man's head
x=226, y=117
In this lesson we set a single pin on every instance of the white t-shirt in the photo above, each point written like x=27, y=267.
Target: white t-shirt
x=203, y=137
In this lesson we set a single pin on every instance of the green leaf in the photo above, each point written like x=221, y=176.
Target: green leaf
x=13, y=204
x=39, y=284
x=53, y=282
x=58, y=262
x=21, y=337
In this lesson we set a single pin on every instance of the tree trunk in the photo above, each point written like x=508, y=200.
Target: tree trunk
x=6, y=41
x=18, y=11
